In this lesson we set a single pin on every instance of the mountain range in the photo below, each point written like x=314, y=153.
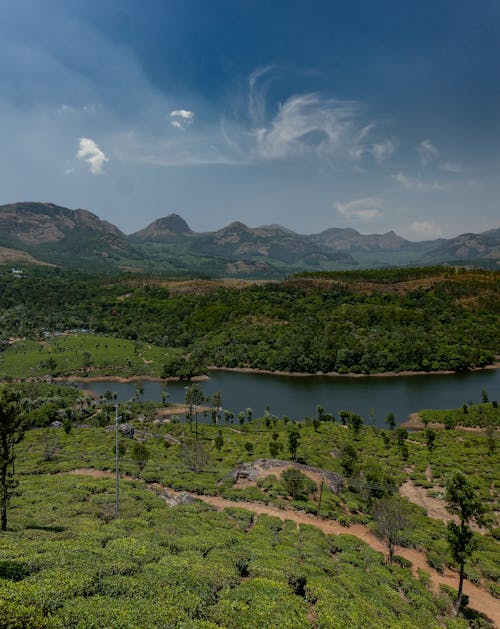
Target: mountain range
x=34, y=232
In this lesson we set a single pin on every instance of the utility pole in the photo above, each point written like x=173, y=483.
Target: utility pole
x=117, y=482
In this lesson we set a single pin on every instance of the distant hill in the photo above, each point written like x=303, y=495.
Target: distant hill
x=164, y=229
x=57, y=235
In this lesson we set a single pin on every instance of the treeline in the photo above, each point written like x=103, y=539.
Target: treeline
x=385, y=276
x=296, y=326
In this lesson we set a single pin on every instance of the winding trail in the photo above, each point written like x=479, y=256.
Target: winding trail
x=479, y=599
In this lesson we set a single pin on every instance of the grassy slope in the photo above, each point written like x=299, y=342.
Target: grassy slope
x=66, y=563
x=454, y=449
x=83, y=354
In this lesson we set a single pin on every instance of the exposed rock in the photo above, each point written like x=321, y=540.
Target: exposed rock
x=176, y=498
x=127, y=430
x=253, y=470
x=56, y=424
x=172, y=439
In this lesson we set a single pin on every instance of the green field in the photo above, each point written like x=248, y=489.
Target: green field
x=83, y=355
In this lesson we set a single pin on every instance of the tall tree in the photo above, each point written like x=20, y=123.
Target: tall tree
x=392, y=517
x=463, y=502
x=194, y=397
x=293, y=442
x=12, y=429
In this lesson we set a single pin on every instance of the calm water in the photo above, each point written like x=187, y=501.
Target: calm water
x=296, y=397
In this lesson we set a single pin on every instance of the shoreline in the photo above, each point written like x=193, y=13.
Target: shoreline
x=336, y=374
x=268, y=372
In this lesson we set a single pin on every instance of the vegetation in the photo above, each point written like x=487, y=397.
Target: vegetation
x=462, y=501
x=65, y=563
x=473, y=415
x=381, y=322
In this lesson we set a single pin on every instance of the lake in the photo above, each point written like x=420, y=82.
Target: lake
x=297, y=397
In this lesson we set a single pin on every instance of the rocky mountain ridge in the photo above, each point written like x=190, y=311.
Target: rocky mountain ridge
x=58, y=235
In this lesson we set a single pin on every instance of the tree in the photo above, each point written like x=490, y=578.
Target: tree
x=274, y=449
x=490, y=438
x=12, y=429
x=193, y=398
x=390, y=421
x=194, y=453
x=217, y=402
x=219, y=441
x=140, y=454
x=164, y=393
x=392, y=517
x=293, y=442
x=430, y=438
x=463, y=502
x=348, y=457
x=296, y=483
x=355, y=423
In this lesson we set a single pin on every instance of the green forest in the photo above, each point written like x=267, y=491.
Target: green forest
x=347, y=322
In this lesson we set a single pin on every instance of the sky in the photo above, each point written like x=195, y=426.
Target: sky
x=371, y=114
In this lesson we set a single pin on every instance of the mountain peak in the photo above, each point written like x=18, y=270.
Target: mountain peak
x=164, y=229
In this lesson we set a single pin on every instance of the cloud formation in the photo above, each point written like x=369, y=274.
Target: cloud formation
x=428, y=152
x=308, y=124
x=415, y=183
x=182, y=118
x=365, y=209
x=451, y=167
x=89, y=152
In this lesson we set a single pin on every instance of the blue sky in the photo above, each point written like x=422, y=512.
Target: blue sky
x=372, y=114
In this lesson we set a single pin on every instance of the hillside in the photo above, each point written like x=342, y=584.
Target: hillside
x=78, y=238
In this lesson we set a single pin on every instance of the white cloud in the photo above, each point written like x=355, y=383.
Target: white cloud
x=424, y=229
x=70, y=109
x=451, y=167
x=415, y=183
x=428, y=152
x=89, y=152
x=363, y=209
x=382, y=150
x=308, y=124
x=182, y=118
x=182, y=113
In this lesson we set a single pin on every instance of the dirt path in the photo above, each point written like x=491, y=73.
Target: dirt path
x=434, y=506
x=479, y=599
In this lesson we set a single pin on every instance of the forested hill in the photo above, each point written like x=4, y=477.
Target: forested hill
x=361, y=322
x=80, y=239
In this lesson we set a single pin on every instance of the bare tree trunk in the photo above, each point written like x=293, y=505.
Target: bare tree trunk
x=460, y=588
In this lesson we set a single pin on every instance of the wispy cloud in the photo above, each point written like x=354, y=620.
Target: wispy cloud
x=365, y=209
x=428, y=152
x=451, y=167
x=416, y=183
x=182, y=118
x=89, y=152
x=308, y=124
x=382, y=151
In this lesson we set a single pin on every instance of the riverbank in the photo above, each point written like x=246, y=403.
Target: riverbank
x=336, y=374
